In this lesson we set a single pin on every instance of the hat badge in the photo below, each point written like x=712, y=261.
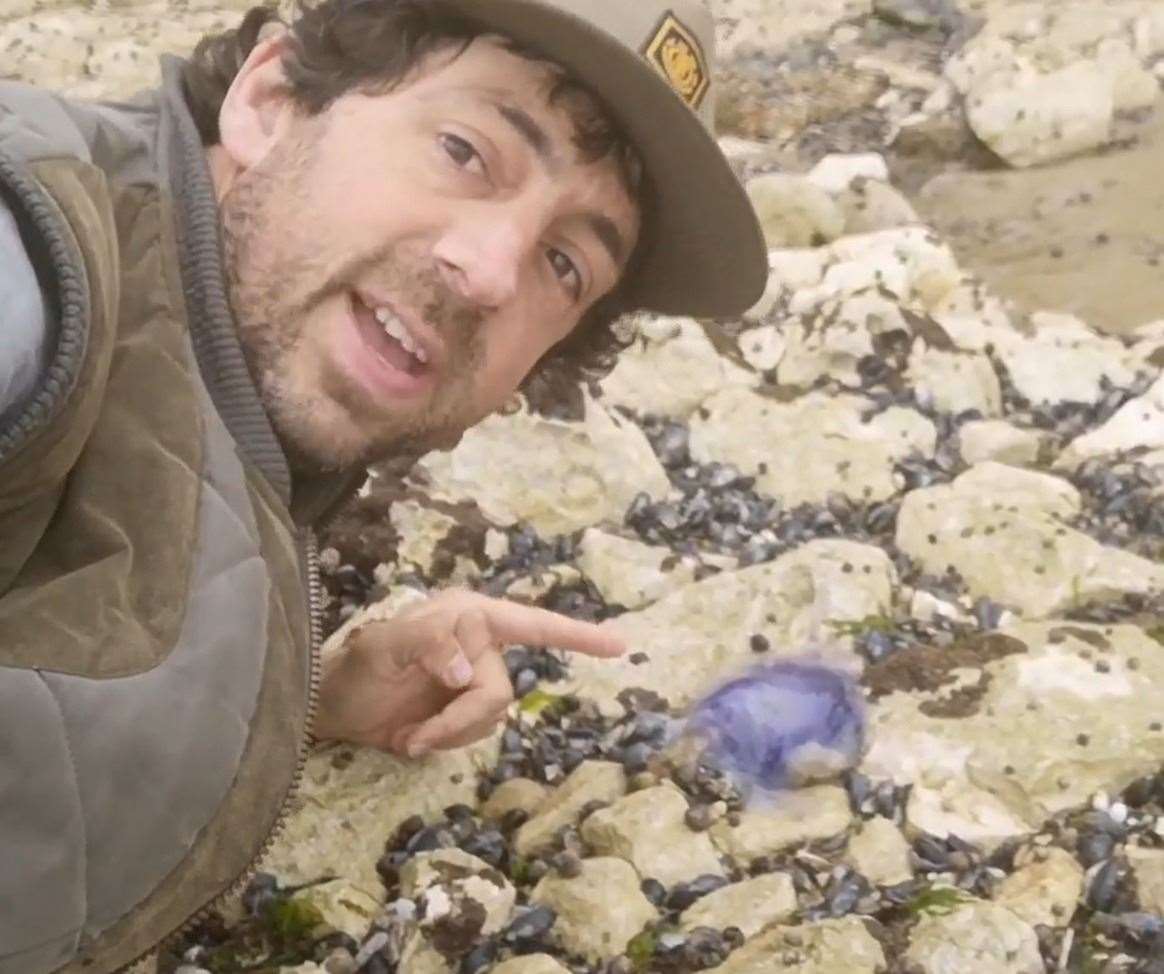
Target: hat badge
x=675, y=53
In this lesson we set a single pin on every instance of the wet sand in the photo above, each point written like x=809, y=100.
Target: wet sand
x=1084, y=236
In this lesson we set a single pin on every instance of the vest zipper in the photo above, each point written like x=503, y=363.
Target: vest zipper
x=314, y=585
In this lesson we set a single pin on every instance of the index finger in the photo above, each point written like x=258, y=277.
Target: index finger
x=511, y=622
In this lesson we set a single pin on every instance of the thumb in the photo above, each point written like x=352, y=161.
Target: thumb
x=389, y=646
x=446, y=646
x=471, y=639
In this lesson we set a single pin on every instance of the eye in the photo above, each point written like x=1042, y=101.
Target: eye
x=461, y=151
x=564, y=268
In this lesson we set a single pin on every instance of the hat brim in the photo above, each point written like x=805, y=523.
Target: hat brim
x=705, y=252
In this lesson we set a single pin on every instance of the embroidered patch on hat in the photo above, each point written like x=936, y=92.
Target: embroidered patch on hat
x=677, y=56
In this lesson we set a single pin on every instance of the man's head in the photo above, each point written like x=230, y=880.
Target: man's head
x=421, y=210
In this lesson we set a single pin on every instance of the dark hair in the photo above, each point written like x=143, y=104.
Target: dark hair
x=337, y=46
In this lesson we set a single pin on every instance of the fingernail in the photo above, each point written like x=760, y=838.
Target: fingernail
x=460, y=671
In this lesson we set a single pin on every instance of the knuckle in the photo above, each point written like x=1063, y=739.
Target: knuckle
x=500, y=697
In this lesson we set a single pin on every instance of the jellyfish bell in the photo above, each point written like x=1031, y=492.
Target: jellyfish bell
x=780, y=725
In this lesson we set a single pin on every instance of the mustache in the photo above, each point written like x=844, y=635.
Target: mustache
x=414, y=281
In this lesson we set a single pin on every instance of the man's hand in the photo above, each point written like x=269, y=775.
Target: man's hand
x=433, y=676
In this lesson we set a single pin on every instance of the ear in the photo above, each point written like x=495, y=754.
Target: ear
x=257, y=107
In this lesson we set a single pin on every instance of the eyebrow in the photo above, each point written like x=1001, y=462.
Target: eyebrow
x=603, y=227
x=608, y=235
x=528, y=128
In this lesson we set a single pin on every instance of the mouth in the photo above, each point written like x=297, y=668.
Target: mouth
x=388, y=357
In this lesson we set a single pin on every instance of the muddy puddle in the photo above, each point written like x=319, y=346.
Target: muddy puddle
x=1085, y=236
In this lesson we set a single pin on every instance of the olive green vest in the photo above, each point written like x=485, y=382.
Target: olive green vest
x=157, y=659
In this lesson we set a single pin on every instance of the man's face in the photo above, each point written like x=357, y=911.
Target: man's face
x=454, y=213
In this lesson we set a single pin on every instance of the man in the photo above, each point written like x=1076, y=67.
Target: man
x=310, y=248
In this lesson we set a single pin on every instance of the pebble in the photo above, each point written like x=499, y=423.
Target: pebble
x=567, y=863
x=340, y=961
x=531, y=923
x=1105, y=885
x=654, y=891
x=682, y=895
x=261, y=891
x=699, y=818
x=371, y=947
x=479, y=959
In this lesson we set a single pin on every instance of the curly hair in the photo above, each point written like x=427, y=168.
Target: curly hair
x=337, y=46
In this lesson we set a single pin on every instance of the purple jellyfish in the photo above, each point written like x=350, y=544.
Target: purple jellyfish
x=782, y=725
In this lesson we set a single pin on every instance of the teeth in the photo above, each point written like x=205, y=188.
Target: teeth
x=394, y=328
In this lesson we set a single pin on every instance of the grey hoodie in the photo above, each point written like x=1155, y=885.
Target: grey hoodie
x=22, y=339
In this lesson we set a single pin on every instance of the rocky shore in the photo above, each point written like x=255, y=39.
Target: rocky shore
x=885, y=463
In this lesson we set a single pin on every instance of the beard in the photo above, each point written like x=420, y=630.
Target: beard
x=284, y=270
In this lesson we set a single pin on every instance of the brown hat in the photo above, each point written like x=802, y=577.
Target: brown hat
x=651, y=61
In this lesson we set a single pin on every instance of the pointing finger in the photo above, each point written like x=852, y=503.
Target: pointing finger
x=510, y=622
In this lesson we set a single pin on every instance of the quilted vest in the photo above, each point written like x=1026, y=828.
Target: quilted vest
x=157, y=644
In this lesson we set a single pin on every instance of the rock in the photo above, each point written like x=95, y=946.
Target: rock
x=828, y=947
x=342, y=816
x=599, y=911
x=99, y=53
x=1148, y=33
x=766, y=25
x=908, y=263
x=701, y=634
x=1133, y=87
x=955, y=381
x=835, y=172
x=590, y=781
x=630, y=573
x=1063, y=361
x=1043, y=889
x=1148, y=867
x=647, y=829
x=496, y=544
x=813, y=352
x=421, y=529
x=344, y=907
x=994, y=439
x=1147, y=343
x=419, y=956
x=907, y=76
x=975, y=938
x=463, y=897
x=816, y=445
x=530, y=964
x=928, y=608
x=1042, y=731
x=523, y=793
x=460, y=877
x=763, y=347
x=749, y=905
x=880, y=853
x=530, y=588
x=644, y=379
x=972, y=813
x=816, y=812
x=794, y=212
x=924, y=14
x=560, y=476
x=797, y=267
x=1004, y=529
x=1029, y=118
x=871, y=206
x=1138, y=423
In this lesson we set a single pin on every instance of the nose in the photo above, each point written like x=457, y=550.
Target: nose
x=482, y=253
